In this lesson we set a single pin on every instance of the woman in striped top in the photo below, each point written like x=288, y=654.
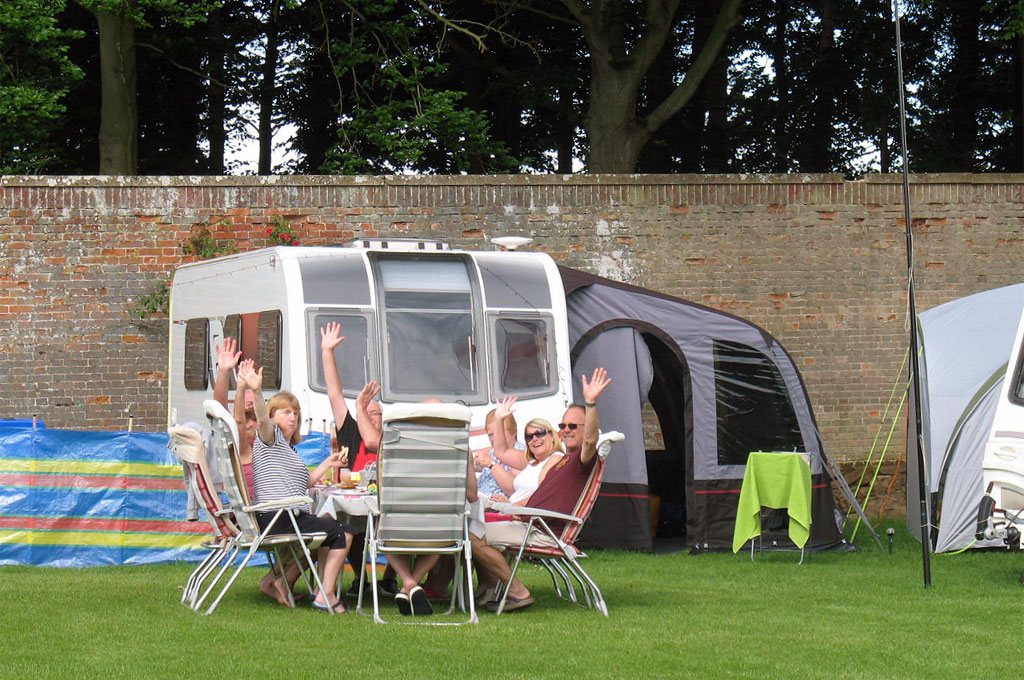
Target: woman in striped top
x=278, y=472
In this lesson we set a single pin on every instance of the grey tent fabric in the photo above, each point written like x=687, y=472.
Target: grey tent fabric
x=720, y=386
x=965, y=347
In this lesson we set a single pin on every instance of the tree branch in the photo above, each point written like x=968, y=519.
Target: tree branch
x=698, y=69
x=184, y=68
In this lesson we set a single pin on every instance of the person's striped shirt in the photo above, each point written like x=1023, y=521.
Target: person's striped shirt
x=278, y=471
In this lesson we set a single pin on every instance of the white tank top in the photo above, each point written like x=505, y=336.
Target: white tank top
x=527, y=480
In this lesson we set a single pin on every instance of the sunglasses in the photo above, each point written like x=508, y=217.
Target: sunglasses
x=568, y=426
x=539, y=434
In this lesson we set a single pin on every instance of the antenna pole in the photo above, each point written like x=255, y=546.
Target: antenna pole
x=912, y=313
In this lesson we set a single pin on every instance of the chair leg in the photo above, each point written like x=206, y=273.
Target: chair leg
x=197, y=576
x=309, y=560
x=234, y=576
x=224, y=564
x=588, y=584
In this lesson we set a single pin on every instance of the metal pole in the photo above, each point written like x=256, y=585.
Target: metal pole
x=912, y=312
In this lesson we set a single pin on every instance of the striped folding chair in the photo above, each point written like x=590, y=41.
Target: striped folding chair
x=251, y=539
x=421, y=504
x=190, y=450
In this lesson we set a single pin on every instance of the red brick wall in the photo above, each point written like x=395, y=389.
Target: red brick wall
x=816, y=260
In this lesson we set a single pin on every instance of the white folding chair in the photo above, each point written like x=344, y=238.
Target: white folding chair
x=250, y=538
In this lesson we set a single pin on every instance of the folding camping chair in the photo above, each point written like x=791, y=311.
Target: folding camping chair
x=421, y=504
x=561, y=560
x=250, y=538
x=190, y=450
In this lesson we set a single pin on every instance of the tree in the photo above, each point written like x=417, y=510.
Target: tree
x=625, y=40
x=392, y=112
x=35, y=76
x=117, y=21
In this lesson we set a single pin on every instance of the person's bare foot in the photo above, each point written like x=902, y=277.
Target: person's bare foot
x=281, y=594
x=267, y=586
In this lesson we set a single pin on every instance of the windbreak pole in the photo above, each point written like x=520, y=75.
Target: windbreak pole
x=915, y=358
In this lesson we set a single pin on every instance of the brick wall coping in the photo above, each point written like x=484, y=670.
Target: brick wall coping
x=489, y=180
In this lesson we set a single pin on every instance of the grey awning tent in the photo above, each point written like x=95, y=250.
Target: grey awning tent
x=965, y=347
x=719, y=388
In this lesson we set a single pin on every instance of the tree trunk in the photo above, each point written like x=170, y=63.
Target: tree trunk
x=119, y=114
x=215, y=92
x=963, y=77
x=267, y=89
x=783, y=85
x=615, y=129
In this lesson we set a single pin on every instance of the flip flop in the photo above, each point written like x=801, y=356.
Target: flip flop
x=511, y=604
x=327, y=607
x=402, y=600
x=420, y=602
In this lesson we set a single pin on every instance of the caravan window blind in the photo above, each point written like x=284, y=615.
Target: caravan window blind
x=430, y=329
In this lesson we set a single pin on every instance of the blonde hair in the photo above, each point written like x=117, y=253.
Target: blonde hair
x=541, y=424
x=283, y=399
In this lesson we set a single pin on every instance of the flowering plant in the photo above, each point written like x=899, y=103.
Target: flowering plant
x=281, y=233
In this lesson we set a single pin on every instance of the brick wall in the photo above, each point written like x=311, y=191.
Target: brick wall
x=818, y=261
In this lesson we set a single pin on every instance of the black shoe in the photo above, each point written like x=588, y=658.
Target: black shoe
x=420, y=602
x=387, y=586
x=354, y=588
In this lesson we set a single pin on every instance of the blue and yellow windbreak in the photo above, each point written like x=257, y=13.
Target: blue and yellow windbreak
x=75, y=499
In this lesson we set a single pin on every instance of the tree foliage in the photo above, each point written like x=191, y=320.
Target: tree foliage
x=35, y=75
x=489, y=86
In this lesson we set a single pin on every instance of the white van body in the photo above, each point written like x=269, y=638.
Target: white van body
x=1003, y=463
x=423, y=320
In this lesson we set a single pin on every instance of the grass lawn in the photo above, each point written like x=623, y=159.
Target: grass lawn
x=842, y=615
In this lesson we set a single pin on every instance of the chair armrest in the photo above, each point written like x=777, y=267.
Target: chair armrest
x=605, y=441
x=510, y=509
x=281, y=503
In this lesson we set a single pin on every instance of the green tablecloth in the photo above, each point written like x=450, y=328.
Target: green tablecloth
x=774, y=480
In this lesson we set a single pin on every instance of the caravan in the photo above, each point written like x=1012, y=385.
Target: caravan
x=423, y=320
x=972, y=422
x=1002, y=510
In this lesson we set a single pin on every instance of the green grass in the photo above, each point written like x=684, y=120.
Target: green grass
x=842, y=615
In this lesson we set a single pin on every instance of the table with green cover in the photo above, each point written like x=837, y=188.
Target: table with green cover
x=774, y=480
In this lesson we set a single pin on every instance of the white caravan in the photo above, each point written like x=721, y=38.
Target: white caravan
x=424, y=320
x=1002, y=509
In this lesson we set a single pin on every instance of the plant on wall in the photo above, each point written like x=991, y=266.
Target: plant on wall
x=200, y=243
x=281, y=233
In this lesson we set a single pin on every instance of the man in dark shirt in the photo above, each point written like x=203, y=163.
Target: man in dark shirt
x=559, y=492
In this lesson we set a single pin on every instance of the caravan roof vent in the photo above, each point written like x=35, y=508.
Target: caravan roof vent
x=401, y=245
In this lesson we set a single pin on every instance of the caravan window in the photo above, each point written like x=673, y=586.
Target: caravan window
x=197, y=354
x=523, y=355
x=752, y=403
x=259, y=338
x=352, y=355
x=514, y=282
x=430, y=329
x=1016, y=390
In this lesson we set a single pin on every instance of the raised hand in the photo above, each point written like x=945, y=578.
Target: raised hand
x=330, y=336
x=367, y=394
x=592, y=388
x=504, y=407
x=227, y=354
x=251, y=377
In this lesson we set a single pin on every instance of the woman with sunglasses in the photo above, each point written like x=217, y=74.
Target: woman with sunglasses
x=543, y=451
